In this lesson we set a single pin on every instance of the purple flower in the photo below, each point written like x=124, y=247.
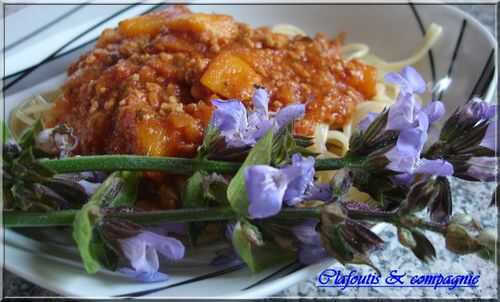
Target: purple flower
x=483, y=168
x=288, y=114
x=490, y=137
x=268, y=187
x=476, y=110
x=434, y=111
x=367, y=120
x=241, y=128
x=142, y=251
x=89, y=187
x=319, y=191
x=412, y=121
x=409, y=80
x=297, y=187
x=310, y=248
x=404, y=113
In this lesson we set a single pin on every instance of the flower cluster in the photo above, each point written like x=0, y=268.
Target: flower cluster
x=467, y=140
x=411, y=122
x=241, y=129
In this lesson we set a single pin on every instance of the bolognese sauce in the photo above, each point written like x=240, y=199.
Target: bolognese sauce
x=146, y=87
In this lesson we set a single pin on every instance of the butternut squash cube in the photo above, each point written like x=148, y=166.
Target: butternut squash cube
x=215, y=26
x=152, y=138
x=231, y=77
x=142, y=25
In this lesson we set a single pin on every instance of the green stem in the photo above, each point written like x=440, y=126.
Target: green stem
x=167, y=164
x=138, y=163
x=17, y=219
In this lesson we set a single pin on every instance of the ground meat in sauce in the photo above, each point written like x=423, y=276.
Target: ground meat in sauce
x=146, y=86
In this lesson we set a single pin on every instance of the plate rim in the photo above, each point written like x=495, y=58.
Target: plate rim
x=270, y=287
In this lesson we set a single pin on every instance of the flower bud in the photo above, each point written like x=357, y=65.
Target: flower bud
x=440, y=208
x=461, y=219
x=420, y=195
x=487, y=238
x=423, y=250
x=406, y=238
x=341, y=183
x=459, y=241
x=252, y=233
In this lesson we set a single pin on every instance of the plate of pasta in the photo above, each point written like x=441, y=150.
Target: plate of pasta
x=202, y=151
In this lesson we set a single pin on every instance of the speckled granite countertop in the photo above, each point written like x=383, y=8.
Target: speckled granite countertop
x=393, y=255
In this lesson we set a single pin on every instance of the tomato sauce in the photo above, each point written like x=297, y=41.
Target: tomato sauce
x=146, y=87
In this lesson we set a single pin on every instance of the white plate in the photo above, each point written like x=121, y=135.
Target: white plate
x=392, y=31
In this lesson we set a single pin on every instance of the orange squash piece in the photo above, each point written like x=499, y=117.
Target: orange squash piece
x=231, y=77
x=215, y=26
x=152, y=138
x=142, y=25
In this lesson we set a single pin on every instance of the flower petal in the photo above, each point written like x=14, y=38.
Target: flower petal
x=89, y=187
x=437, y=167
x=490, y=139
x=288, y=114
x=405, y=154
x=319, y=191
x=169, y=247
x=265, y=187
x=366, y=122
x=301, y=174
x=396, y=79
x=306, y=232
x=229, y=116
x=257, y=126
x=434, y=110
x=146, y=277
x=142, y=258
x=260, y=101
x=403, y=113
x=483, y=168
x=415, y=81
x=409, y=80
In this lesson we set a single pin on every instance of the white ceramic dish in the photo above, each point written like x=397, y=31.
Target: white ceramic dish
x=392, y=31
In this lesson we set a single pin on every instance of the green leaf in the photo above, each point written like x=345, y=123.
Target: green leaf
x=215, y=189
x=27, y=139
x=258, y=257
x=193, y=196
x=83, y=227
x=259, y=155
x=116, y=190
x=209, y=141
